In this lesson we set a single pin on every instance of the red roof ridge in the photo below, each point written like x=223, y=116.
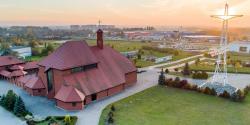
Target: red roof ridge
x=69, y=94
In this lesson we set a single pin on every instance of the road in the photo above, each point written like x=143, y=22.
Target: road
x=174, y=62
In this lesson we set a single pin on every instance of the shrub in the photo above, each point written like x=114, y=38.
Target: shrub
x=111, y=114
x=112, y=108
x=186, y=71
x=169, y=82
x=187, y=86
x=182, y=83
x=194, y=88
x=200, y=75
x=19, y=107
x=67, y=120
x=161, y=80
x=207, y=91
x=213, y=92
x=225, y=94
x=176, y=69
x=9, y=102
x=166, y=71
x=110, y=120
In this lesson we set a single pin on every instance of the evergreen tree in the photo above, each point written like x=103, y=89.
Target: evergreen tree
x=2, y=101
x=161, y=80
x=186, y=70
x=10, y=100
x=19, y=107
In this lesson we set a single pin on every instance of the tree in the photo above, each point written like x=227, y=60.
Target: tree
x=166, y=71
x=237, y=66
x=213, y=92
x=19, y=107
x=161, y=80
x=197, y=61
x=2, y=101
x=225, y=94
x=112, y=108
x=139, y=56
x=67, y=120
x=10, y=100
x=110, y=120
x=186, y=70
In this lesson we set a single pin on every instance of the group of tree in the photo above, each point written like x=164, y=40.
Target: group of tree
x=161, y=80
x=186, y=70
x=162, y=50
x=200, y=75
x=14, y=103
x=110, y=120
x=237, y=96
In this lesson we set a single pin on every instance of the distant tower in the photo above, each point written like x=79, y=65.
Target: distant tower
x=220, y=74
x=99, y=37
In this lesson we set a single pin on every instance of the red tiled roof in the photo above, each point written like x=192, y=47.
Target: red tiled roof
x=111, y=71
x=71, y=54
x=9, y=60
x=30, y=65
x=5, y=73
x=69, y=94
x=17, y=67
x=35, y=82
x=18, y=73
x=120, y=61
x=24, y=79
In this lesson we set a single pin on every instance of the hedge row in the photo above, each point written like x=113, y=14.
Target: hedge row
x=183, y=84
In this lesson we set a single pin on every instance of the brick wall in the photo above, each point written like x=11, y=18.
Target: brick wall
x=115, y=90
x=69, y=106
x=131, y=79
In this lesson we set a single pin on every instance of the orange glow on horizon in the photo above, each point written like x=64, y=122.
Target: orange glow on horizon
x=120, y=12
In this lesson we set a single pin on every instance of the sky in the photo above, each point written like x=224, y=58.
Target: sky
x=121, y=12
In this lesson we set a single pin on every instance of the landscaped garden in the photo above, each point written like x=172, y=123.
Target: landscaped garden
x=237, y=63
x=162, y=105
x=13, y=103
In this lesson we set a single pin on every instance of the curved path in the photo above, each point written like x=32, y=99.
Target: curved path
x=42, y=107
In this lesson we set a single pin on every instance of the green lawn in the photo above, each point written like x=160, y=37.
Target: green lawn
x=170, y=106
x=208, y=68
x=121, y=46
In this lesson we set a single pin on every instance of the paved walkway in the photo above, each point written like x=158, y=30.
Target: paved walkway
x=42, y=107
x=174, y=62
x=7, y=118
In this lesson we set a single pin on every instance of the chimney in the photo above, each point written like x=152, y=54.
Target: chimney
x=100, y=38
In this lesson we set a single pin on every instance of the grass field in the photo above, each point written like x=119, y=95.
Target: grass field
x=170, y=106
x=243, y=70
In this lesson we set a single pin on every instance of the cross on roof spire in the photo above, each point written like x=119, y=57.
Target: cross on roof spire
x=99, y=23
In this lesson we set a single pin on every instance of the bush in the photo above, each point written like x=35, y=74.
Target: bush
x=194, y=88
x=238, y=96
x=176, y=69
x=187, y=86
x=207, y=91
x=200, y=75
x=110, y=120
x=186, y=71
x=213, y=92
x=112, y=108
x=225, y=94
x=166, y=71
x=161, y=80
x=111, y=114
x=169, y=82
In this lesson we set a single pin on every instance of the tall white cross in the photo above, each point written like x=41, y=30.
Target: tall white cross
x=223, y=44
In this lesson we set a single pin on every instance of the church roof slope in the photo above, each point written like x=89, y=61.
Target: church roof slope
x=71, y=54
